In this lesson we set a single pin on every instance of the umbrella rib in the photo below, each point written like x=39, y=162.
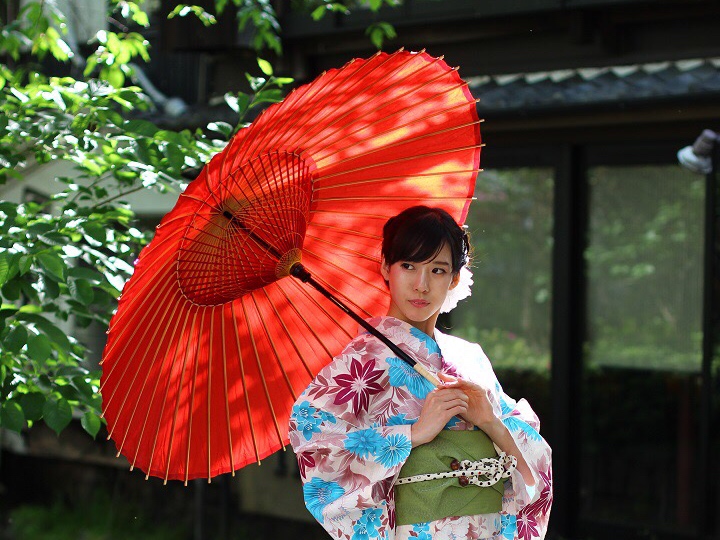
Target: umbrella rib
x=274, y=348
x=342, y=270
x=374, y=97
x=347, y=231
x=128, y=341
x=403, y=142
x=227, y=400
x=344, y=248
x=305, y=292
x=209, y=390
x=401, y=160
x=287, y=332
x=376, y=180
x=192, y=398
x=262, y=376
x=142, y=389
x=400, y=198
x=410, y=107
x=152, y=398
x=179, y=394
x=317, y=119
x=244, y=385
x=278, y=173
x=275, y=116
x=364, y=215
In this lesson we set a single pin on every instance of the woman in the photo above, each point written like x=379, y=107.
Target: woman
x=367, y=415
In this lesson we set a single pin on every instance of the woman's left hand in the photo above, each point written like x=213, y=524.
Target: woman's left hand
x=480, y=410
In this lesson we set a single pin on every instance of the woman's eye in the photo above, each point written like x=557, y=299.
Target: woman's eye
x=438, y=270
x=406, y=266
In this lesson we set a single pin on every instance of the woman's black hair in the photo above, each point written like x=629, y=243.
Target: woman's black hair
x=419, y=233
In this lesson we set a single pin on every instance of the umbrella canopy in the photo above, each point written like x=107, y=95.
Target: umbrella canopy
x=213, y=341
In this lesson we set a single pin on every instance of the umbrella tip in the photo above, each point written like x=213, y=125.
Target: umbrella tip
x=209, y=480
x=164, y=481
x=185, y=483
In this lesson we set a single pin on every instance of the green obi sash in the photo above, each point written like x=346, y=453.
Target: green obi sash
x=431, y=500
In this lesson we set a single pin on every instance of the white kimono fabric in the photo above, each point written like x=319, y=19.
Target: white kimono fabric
x=350, y=430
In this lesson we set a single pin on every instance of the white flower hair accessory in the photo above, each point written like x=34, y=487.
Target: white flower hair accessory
x=461, y=291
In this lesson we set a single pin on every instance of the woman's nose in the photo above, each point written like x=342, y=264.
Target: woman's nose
x=421, y=282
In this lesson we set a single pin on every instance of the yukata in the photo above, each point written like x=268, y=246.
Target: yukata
x=350, y=430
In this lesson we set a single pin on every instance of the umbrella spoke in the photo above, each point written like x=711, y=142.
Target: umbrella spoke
x=361, y=97
x=288, y=336
x=244, y=383
x=268, y=335
x=262, y=377
x=173, y=428
x=412, y=106
x=442, y=175
x=192, y=399
x=173, y=357
x=140, y=369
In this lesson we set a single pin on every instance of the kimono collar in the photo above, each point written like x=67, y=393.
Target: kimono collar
x=413, y=341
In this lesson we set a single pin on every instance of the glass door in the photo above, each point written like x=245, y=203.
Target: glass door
x=641, y=367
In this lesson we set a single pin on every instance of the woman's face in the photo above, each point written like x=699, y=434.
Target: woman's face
x=418, y=289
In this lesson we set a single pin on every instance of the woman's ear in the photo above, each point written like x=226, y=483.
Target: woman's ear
x=455, y=281
x=384, y=270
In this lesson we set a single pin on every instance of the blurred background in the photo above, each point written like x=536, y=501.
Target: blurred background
x=596, y=256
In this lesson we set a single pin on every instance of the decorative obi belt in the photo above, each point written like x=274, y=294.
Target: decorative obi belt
x=458, y=473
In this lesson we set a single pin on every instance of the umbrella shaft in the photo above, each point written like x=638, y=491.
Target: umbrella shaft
x=301, y=273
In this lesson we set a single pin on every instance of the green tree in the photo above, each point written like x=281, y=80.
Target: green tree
x=63, y=260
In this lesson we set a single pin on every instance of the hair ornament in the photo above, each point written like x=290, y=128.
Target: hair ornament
x=460, y=292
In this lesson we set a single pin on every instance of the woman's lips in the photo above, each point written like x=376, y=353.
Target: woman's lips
x=419, y=303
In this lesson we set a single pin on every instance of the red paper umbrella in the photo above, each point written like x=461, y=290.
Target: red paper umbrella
x=213, y=340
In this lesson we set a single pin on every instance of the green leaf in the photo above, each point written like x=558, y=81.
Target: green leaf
x=95, y=231
x=141, y=127
x=84, y=387
x=56, y=335
x=57, y=413
x=39, y=348
x=53, y=263
x=90, y=423
x=221, y=127
x=81, y=290
x=8, y=267
x=265, y=66
x=16, y=339
x=32, y=405
x=11, y=416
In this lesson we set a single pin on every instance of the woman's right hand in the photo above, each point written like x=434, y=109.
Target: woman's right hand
x=440, y=406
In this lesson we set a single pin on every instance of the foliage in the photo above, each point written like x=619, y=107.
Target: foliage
x=98, y=518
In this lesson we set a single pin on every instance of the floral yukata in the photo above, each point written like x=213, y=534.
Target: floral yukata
x=351, y=427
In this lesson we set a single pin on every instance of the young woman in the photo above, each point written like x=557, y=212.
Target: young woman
x=385, y=454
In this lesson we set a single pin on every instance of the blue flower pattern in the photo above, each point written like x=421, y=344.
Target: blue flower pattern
x=318, y=494
x=401, y=374
x=430, y=344
x=395, y=449
x=422, y=530
x=364, y=443
x=508, y=526
x=309, y=419
x=400, y=420
x=368, y=525
x=513, y=423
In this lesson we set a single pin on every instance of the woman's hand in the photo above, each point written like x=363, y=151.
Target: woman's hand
x=480, y=410
x=440, y=406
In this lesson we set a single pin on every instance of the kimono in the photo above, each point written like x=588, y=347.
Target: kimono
x=350, y=430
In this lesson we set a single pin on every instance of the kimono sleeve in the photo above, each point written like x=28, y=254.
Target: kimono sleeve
x=348, y=461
